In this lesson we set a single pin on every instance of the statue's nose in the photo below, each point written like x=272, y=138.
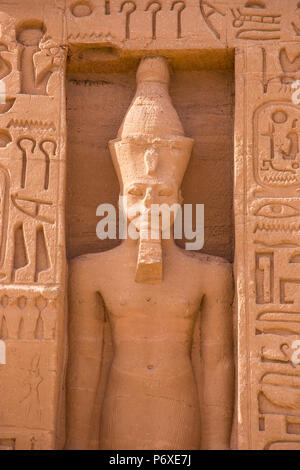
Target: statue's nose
x=148, y=200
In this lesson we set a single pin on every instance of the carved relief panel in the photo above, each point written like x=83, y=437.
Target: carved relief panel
x=267, y=154
x=32, y=313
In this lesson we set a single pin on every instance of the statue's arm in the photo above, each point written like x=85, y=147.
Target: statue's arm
x=217, y=360
x=85, y=337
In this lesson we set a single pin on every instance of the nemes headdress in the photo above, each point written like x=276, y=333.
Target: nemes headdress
x=151, y=146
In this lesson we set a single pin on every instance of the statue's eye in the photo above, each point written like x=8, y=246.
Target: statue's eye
x=165, y=192
x=277, y=210
x=136, y=191
x=177, y=150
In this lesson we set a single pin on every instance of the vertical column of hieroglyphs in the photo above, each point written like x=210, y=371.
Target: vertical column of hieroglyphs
x=267, y=143
x=32, y=62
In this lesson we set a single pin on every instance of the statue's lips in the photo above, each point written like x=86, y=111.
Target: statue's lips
x=144, y=224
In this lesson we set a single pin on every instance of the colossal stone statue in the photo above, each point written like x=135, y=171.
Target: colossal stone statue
x=155, y=296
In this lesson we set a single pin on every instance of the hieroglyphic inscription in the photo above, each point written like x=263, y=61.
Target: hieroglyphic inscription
x=208, y=12
x=28, y=318
x=276, y=145
x=32, y=220
x=272, y=223
x=32, y=264
x=229, y=23
x=40, y=56
x=259, y=26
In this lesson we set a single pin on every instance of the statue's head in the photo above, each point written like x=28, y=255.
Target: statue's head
x=151, y=153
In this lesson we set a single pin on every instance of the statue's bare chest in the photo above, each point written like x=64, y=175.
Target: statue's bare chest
x=153, y=301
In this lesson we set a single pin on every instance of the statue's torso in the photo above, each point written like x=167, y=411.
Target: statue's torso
x=151, y=390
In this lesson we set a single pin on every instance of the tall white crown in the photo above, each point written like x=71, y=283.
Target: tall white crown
x=151, y=119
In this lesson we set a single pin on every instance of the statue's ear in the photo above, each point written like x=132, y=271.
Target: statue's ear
x=180, y=197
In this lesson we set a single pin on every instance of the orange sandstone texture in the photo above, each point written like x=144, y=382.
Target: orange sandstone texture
x=153, y=100
x=151, y=293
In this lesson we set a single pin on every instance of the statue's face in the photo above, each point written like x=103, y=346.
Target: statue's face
x=150, y=172
x=142, y=195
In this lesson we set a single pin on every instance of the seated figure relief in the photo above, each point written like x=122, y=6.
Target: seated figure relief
x=161, y=302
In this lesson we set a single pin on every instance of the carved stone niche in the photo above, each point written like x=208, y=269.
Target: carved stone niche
x=100, y=88
x=43, y=219
x=202, y=91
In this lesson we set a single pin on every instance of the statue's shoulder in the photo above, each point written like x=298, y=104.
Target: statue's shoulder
x=85, y=260
x=211, y=268
x=87, y=266
x=215, y=276
x=207, y=260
